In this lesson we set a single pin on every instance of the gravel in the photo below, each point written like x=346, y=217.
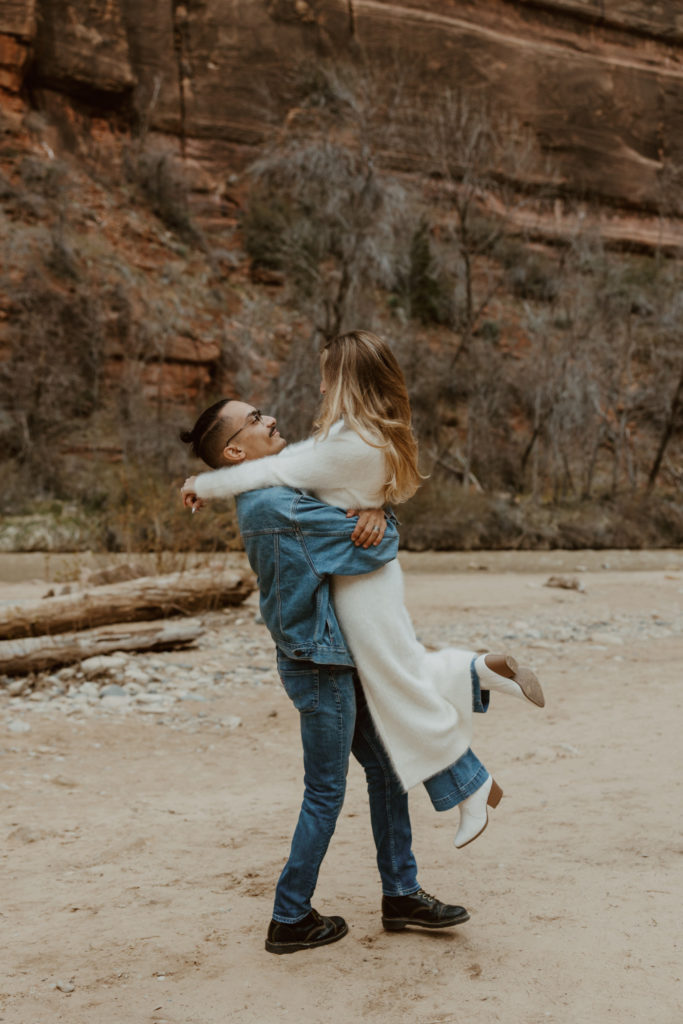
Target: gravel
x=179, y=688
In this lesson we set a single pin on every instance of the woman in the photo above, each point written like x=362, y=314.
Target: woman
x=364, y=456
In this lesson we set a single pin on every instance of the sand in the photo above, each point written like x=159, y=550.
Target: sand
x=140, y=851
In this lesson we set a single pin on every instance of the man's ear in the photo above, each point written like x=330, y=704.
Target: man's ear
x=232, y=454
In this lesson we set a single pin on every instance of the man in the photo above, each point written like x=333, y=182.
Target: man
x=294, y=544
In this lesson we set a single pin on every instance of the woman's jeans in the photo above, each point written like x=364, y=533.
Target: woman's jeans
x=455, y=783
x=335, y=721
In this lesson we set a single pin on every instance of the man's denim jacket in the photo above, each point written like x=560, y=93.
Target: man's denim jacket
x=294, y=542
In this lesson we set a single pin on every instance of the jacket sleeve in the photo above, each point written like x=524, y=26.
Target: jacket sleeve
x=310, y=465
x=326, y=534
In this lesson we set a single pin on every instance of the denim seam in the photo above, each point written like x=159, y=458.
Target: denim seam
x=340, y=743
x=278, y=595
x=387, y=805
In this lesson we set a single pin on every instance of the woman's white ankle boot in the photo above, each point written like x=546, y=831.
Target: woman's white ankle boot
x=502, y=673
x=474, y=814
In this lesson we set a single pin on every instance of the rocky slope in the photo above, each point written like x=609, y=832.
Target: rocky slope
x=600, y=83
x=124, y=131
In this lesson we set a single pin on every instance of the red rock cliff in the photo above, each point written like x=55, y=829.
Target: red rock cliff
x=599, y=81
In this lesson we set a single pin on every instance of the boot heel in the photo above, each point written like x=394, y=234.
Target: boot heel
x=495, y=794
x=392, y=926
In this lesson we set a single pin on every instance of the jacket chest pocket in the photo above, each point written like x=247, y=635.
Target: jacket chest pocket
x=302, y=686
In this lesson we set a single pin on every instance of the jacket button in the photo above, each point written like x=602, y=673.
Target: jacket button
x=297, y=654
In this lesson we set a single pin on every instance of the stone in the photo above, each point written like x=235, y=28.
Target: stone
x=133, y=675
x=17, y=687
x=103, y=664
x=116, y=703
x=113, y=690
x=87, y=691
x=65, y=986
x=565, y=583
x=18, y=726
x=612, y=639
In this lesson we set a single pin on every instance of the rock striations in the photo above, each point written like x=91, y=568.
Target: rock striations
x=600, y=83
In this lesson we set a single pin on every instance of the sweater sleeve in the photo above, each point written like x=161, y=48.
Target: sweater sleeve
x=311, y=465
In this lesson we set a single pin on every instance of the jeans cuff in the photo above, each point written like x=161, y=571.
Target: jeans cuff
x=458, y=790
x=403, y=892
x=290, y=920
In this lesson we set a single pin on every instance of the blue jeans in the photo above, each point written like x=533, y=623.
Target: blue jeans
x=455, y=783
x=334, y=722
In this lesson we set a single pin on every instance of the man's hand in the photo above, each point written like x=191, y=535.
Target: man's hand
x=370, y=527
x=188, y=495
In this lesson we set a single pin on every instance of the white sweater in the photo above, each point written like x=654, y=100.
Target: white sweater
x=341, y=470
x=420, y=701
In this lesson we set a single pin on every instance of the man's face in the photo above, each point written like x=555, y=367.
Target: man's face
x=252, y=434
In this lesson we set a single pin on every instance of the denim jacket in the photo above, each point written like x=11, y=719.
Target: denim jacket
x=294, y=542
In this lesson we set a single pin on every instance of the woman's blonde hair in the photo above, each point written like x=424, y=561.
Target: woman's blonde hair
x=365, y=385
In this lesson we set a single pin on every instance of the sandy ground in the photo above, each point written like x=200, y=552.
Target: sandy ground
x=140, y=850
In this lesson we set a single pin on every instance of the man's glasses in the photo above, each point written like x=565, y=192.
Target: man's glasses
x=255, y=416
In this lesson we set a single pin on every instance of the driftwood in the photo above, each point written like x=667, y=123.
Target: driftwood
x=149, y=597
x=37, y=653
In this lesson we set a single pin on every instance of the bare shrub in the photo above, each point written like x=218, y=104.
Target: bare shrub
x=321, y=212
x=324, y=214
x=603, y=367
x=52, y=378
x=162, y=181
x=424, y=289
x=143, y=512
x=660, y=389
x=442, y=516
x=474, y=153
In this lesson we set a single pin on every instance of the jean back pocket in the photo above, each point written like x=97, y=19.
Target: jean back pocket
x=302, y=687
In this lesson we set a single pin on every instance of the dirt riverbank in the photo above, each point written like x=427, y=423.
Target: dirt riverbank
x=143, y=831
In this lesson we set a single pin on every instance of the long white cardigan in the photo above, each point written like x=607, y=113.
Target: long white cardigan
x=420, y=701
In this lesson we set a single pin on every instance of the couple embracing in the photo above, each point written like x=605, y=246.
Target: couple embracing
x=317, y=532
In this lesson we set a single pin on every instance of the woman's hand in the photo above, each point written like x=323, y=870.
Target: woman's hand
x=188, y=495
x=369, y=529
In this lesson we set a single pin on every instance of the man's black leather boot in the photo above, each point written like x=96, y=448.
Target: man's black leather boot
x=420, y=909
x=311, y=931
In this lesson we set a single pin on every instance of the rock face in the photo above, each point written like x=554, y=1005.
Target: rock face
x=599, y=81
x=17, y=30
x=86, y=52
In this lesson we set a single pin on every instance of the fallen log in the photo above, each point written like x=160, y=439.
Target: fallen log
x=38, y=653
x=148, y=597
